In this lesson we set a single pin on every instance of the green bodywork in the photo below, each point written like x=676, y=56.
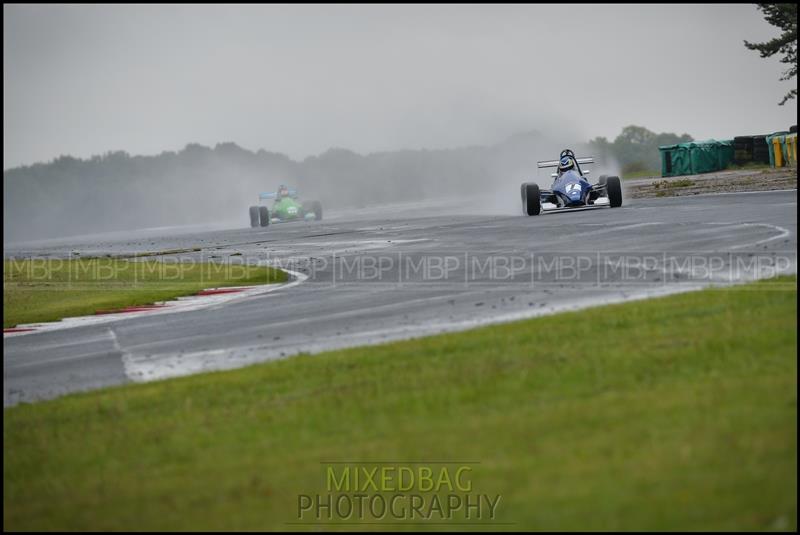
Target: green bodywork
x=285, y=207
x=289, y=208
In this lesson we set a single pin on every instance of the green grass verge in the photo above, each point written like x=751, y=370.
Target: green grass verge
x=670, y=414
x=36, y=290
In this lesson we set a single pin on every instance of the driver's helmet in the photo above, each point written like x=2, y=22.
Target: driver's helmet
x=565, y=164
x=283, y=191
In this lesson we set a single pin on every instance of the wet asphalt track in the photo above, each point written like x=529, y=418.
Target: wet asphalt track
x=392, y=273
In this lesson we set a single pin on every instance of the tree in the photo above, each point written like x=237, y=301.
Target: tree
x=784, y=16
x=636, y=148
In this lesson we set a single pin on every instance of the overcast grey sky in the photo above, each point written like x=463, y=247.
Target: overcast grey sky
x=84, y=80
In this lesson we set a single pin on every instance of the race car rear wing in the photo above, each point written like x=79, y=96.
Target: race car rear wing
x=554, y=163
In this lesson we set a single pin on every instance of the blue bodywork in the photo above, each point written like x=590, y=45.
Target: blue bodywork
x=572, y=188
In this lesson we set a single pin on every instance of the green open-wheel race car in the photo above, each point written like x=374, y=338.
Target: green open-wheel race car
x=287, y=207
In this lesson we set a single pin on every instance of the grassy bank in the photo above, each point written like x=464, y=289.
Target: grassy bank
x=52, y=289
x=670, y=414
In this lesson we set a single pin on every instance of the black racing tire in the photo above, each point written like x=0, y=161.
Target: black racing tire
x=601, y=181
x=316, y=208
x=531, y=200
x=254, y=217
x=263, y=215
x=614, y=191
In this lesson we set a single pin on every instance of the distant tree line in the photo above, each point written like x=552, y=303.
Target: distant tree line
x=198, y=184
x=636, y=148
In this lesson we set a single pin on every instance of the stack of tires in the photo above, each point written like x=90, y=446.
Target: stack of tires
x=743, y=149
x=761, y=151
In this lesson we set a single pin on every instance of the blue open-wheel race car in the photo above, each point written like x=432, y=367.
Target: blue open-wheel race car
x=571, y=188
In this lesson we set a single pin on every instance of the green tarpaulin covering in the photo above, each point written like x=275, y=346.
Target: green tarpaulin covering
x=696, y=157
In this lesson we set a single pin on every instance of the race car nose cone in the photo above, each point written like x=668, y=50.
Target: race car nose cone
x=573, y=190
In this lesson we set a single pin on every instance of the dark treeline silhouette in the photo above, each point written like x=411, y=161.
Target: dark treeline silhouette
x=198, y=184
x=117, y=191
x=636, y=148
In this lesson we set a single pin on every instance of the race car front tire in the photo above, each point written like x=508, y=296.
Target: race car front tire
x=254, y=217
x=263, y=213
x=531, y=200
x=316, y=208
x=614, y=191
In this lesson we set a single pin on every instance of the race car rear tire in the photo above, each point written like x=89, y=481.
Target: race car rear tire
x=254, y=217
x=263, y=214
x=614, y=190
x=531, y=200
x=316, y=208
